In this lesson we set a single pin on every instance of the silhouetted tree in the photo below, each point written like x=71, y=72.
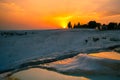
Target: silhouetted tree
x=75, y=26
x=69, y=25
x=92, y=24
x=78, y=25
x=112, y=26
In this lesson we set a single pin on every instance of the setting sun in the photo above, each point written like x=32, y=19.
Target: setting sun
x=63, y=21
x=63, y=25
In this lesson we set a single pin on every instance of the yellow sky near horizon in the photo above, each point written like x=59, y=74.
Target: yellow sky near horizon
x=53, y=14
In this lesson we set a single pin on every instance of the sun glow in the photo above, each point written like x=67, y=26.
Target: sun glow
x=63, y=21
x=64, y=24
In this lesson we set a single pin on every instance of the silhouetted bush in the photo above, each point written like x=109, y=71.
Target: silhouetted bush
x=95, y=39
x=84, y=26
x=86, y=41
x=104, y=27
x=104, y=38
x=114, y=39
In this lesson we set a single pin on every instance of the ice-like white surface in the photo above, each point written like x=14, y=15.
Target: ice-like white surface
x=16, y=49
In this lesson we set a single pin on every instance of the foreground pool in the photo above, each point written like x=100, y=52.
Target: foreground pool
x=102, y=66
x=42, y=74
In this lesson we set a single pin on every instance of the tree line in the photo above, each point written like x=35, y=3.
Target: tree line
x=95, y=25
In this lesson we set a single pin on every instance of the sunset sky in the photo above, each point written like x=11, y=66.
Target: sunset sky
x=53, y=14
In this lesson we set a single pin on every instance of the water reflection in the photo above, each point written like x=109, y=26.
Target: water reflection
x=109, y=55
x=65, y=61
x=41, y=74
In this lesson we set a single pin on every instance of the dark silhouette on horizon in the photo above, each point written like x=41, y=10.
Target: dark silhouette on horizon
x=69, y=25
x=95, y=25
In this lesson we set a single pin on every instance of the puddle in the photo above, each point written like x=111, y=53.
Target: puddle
x=42, y=74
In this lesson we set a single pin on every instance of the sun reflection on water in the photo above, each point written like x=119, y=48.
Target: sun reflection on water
x=109, y=55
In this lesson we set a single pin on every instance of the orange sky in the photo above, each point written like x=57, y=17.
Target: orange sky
x=52, y=14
